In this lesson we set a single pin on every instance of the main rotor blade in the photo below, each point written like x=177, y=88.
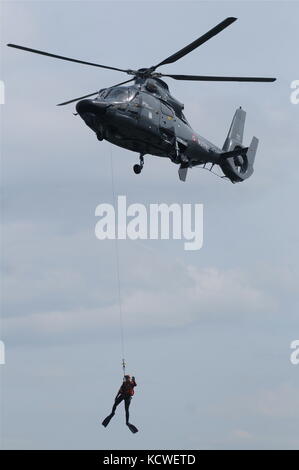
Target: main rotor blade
x=91, y=94
x=219, y=79
x=77, y=99
x=36, y=51
x=198, y=42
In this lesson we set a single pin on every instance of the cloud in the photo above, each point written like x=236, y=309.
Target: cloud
x=277, y=402
x=46, y=294
x=280, y=402
x=241, y=434
x=223, y=312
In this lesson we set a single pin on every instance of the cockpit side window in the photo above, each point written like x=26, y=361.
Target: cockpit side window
x=131, y=93
x=101, y=95
x=117, y=94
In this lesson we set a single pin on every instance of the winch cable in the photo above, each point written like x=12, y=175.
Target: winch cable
x=119, y=298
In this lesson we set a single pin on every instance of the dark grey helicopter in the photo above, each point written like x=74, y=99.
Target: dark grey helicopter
x=147, y=119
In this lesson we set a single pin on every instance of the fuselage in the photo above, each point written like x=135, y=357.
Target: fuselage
x=145, y=118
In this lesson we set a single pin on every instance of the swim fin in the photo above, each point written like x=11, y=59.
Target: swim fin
x=132, y=428
x=107, y=420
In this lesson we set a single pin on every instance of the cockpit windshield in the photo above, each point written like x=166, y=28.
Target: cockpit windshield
x=117, y=94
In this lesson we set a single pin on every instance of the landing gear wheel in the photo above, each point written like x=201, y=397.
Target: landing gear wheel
x=137, y=169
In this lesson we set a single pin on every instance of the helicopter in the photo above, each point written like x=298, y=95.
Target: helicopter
x=144, y=117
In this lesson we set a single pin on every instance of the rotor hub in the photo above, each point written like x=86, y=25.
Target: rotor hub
x=144, y=72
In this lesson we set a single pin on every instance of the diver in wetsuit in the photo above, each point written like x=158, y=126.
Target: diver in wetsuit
x=125, y=393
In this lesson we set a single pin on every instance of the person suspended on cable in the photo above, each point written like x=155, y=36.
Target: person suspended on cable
x=125, y=393
x=127, y=387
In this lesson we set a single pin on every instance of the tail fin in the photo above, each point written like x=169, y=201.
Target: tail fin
x=236, y=131
x=237, y=161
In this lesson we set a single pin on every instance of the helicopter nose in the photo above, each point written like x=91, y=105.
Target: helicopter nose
x=89, y=106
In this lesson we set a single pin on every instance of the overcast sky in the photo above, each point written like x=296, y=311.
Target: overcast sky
x=207, y=333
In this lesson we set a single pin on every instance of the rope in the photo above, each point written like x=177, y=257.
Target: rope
x=118, y=277
x=117, y=262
